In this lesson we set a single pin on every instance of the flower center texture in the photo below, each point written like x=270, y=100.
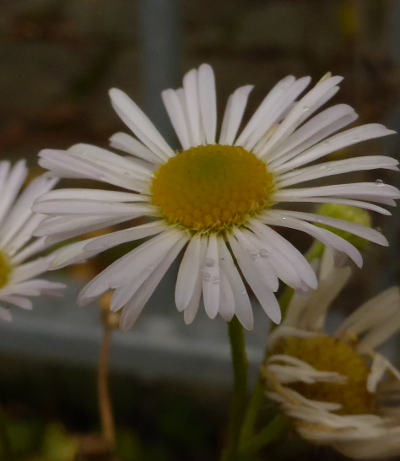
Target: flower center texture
x=326, y=353
x=212, y=188
x=5, y=270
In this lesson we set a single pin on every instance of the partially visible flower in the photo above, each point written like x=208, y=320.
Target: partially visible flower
x=332, y=386
x=219, y=198
x=19, y=270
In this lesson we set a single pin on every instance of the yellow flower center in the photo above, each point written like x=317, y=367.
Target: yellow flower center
x=212, y=188
x=5, y=270
x=326, y=353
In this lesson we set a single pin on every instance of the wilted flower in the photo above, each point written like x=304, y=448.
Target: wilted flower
x=333, y=386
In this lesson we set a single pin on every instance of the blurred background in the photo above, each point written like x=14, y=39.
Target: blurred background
x=170, y=383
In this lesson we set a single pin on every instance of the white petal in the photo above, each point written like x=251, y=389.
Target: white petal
x=319, y=127
x=4, y=171
x=91, y=207
x=30, y=269
x=24, y=235
x=243, y=309
x=129, y=266
x=21, y=211
x=12, y=186
x=207, y=101
x=134, y=308
x=336, y=142
x=189, y=271
x=211, y=278
x=372, y=313
x=68, y=226
x=328, y=238
x=379, y=335
x=374, y=191
x=104, y=242
x=92, y=194
x=112, y=164
x=291, y=253
x=177, y=116
x=266, y=104
x=263, y=293
x=356, y=203
x=271, y=109
x=189, y=314
x=233, y=115
x=301, y=110
x=191, y=90
x=322, y=170
x=364, y=232
x=66, y=164
x=132, y=146
x=140, y=124
x=33, y=248
x=282, y=266
x=255, y=253
x=20, y=301
x=227, y=299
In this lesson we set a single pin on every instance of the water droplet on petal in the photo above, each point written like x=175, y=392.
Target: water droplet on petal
x=206, y=276
x=209, y=262
x=379, y=182
x=215, y=280
x=305, y=108
x=264, y=253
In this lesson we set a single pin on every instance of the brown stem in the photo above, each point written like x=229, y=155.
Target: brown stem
x=105, y=407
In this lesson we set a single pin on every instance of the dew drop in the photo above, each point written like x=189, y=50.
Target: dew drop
x=206, y=276
x=305, y=108
x=215, y=280
x=264, y=253
x=379, y=182
x=209, y=262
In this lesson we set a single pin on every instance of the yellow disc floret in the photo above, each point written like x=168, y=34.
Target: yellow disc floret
x=326, y=353
x=5, y=270
x=212, y=188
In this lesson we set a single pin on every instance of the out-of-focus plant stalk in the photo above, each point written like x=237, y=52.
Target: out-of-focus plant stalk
x=105, y=405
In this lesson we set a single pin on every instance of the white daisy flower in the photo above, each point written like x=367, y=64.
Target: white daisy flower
x=332, y=386
x=18, y=271
x=218, y=196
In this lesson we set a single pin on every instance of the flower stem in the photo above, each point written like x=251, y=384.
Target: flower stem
x=239, y=399
x=105, y=407
x=250, y=419
x=272, y=432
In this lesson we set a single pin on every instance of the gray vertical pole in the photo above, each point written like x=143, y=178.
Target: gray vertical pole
x=159, y=24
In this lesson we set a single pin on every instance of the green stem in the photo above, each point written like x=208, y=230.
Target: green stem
x=272, y=432
x=256, y=401
x=239, y=399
